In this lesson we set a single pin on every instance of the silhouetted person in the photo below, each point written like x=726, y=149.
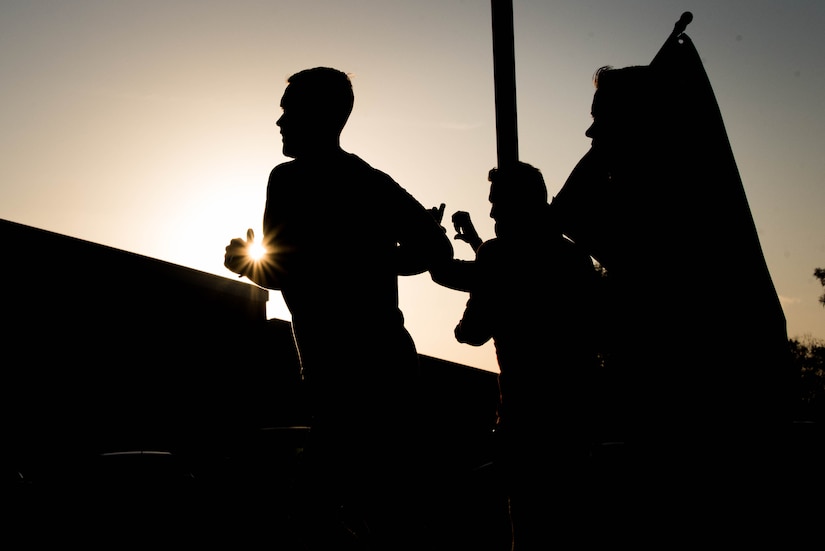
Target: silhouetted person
x=338, y=234
x=532, y=295
x=698, y=345
x=677, y=243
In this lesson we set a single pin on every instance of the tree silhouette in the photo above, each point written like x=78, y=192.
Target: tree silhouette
x=819, y=273
x=808, y=354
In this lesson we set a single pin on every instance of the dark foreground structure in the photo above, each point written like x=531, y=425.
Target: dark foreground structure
x=125, y=418
x=126, y=421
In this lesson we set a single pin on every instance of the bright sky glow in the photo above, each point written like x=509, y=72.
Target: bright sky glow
x=150, y=125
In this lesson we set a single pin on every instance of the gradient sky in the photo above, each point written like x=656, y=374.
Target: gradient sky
x=149, y=125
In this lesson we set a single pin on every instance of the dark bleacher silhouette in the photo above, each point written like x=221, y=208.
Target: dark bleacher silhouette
x=125, y=419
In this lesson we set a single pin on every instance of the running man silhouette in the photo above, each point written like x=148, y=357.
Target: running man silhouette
x=338, y=233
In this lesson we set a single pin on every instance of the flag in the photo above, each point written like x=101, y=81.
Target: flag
x=658, y=200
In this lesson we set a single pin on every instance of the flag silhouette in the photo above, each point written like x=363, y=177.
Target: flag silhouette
x=694, y=317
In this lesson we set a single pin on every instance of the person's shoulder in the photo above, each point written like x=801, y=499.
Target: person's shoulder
x=491, y=247
x=284, y=169
x=284, y=179
x=378, y=182
x=358, y=163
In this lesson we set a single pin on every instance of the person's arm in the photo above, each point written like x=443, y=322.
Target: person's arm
x=476, y=325
x=423, y=244
x=459, y=275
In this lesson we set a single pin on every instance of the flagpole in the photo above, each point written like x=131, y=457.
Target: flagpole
x=504, y=77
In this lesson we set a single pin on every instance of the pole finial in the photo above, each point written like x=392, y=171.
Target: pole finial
x=682, y=24
x=678, y=29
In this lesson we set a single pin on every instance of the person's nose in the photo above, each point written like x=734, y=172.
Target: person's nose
x=589, y=132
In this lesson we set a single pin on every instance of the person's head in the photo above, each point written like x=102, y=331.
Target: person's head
x=644, y=116
x=518, y=198
x=624, y=108
x=316, y=105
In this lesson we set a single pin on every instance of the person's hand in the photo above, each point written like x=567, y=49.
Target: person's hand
x=465, y=231
x=438, y=212
x=237, y=257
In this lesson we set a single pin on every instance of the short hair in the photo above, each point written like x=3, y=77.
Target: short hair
x=628, y=90
x=328, y=91
x=521, y=183
x=648, y=102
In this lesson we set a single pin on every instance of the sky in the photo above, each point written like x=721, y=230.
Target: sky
x=149, y=125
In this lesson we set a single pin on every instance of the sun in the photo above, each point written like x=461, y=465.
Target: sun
x=256, y=251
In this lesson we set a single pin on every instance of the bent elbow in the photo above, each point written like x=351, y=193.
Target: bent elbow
x=468, y=337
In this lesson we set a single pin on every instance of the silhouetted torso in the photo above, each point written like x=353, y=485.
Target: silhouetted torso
x=336, y=225
x=534, y=297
